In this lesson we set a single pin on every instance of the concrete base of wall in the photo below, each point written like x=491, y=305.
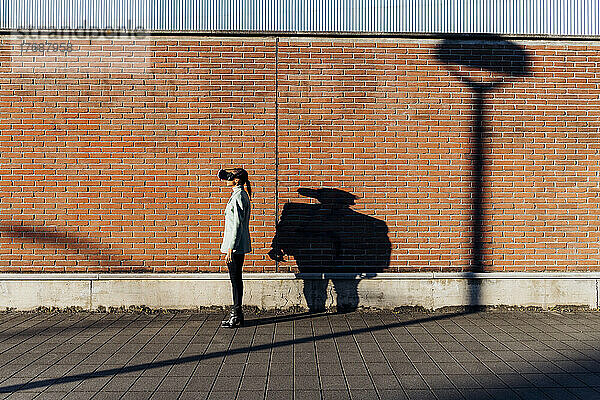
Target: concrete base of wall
x=270, y=291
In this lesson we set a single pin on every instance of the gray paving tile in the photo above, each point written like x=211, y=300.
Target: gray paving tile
x=465, y=382
x=559, y=394
x=22, y=396
x=502, y=394
x=531, y=393
x=253, y=383
x=251, y=395
x=92, y=384
x=227, y=383
x=490, y=381
x=281, y=369
x=590, y=379
x=478, y=368
x=182, y=369
x=165, y=396
x=172, y=384
x=360, y=382
x=335, y=395
x=75, y=395
x=412, y=382
x=189, y=395
x=419, y=394
x=427, y=368
x=354, y=368
x=105, y=395
x=448, y=394
x=307, y=395
x=475, y=394
x=145, y=384
x=386, y=382
x=53, y=395
x=256, y=369
x=333, y=382
x=279, y=395
x=306, y=381
x=334, y=368
x=438, y=381
x=280, y=382
x=136, y=396
x=566, y=380
x=305, y=369
x=221, y=395
x=119, y=383
x=585, y=393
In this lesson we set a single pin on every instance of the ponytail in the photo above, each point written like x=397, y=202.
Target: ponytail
x=248, y=189
x=242, y=175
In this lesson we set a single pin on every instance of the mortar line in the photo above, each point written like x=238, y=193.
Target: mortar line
x=337, y=350
x=312, y=329
x=186, y=347
x=360, y=352
x=222, y=361
x=237, y=393
x=387, y=361
x=270, y=360
x=294, y=359
x=199, y=361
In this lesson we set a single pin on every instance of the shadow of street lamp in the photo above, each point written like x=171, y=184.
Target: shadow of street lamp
x=482, y=65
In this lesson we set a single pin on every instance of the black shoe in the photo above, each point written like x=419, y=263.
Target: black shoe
x=234, y=320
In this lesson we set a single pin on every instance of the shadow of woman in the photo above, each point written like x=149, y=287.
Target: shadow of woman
x=330, y=241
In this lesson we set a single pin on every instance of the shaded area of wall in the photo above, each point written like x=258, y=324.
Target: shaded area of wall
x=124, y=158
x=390, y=122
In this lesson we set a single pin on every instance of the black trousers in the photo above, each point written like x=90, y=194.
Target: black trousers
x=235, y=274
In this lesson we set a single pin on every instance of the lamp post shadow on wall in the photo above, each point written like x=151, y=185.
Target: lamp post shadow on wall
x=482, y=65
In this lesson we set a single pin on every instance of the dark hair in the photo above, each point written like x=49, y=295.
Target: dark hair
x=242, y=175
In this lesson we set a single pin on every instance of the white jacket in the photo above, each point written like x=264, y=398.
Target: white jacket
x=237, y=222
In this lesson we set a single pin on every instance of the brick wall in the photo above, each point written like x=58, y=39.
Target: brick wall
x=109, y=153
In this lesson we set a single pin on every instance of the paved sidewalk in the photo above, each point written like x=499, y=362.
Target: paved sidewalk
x=359, y=355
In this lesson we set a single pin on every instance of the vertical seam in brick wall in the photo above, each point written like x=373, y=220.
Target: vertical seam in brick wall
x=276, y=139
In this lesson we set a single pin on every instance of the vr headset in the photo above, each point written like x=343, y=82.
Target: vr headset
x=226, y=175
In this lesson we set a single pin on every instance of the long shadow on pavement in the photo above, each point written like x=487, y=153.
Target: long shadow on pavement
x=189, y=359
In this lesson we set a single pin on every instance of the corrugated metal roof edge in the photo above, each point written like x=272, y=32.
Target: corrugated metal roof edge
x=408, y=35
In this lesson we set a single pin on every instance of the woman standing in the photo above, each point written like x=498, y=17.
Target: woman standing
x=236, y=238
